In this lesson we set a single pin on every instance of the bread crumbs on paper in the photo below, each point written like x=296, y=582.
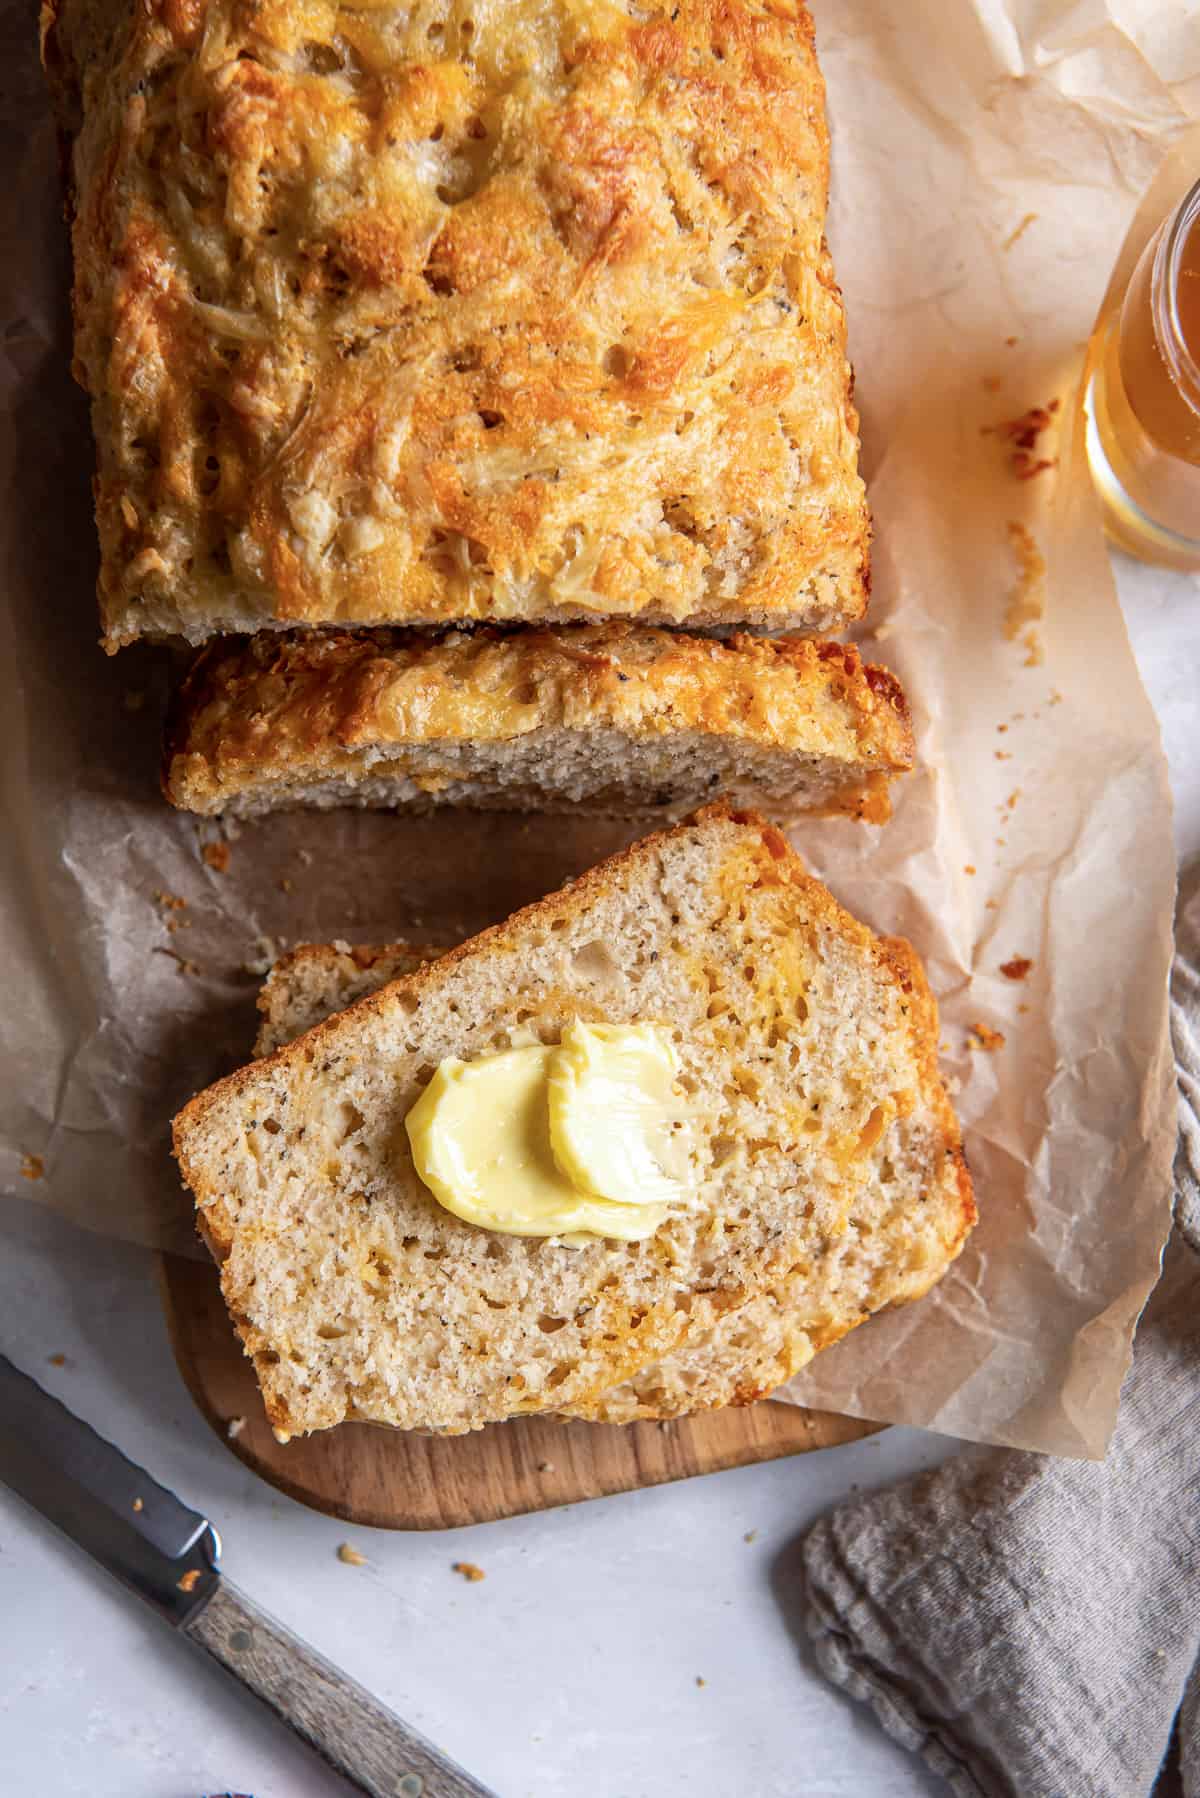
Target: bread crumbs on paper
x=350, y=1556
x=268, y=950
x=187, y=1581
x=1027, y=602
x=969, y=868
x=181, y=961
x=170, y=901
x=469, y=1571
x=750, y=1536
x=1023, y=434
x=216, y=856
x=32, y=1167
x=700, y=1680
x=984, y=1037
x=1017, y=968
x=57, y=1360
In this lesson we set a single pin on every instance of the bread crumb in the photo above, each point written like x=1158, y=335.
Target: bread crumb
x=57, y=1360
x=1011, y=801
x=1023, y=434
x=170, y=901
x=1002, y=755
x=1022, y=1008
x=469, y=1571
x=285, y=885
x=181, y=961
x=969, y=868
x=216, y=856
x=1056, y=697
x=350, y=1555
x=1017, y=968
x=234, y=1428
x=187, y=1581
x=269, y=949
x=1015, y=236
x=992, y=383
x=545, y=1466
x=1027, y=602
x=992, y=905
x=1010, y=343
x=1035, y=653
x=750, y=1536
x=139, y=1504
x=983, y=1037
x=32, y=1167
x=1002, y=727
x=700, y=1680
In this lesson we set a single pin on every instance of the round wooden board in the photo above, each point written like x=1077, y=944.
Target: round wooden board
x=391, y=1479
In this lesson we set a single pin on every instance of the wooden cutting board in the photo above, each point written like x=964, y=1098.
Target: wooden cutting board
x=387, y=1479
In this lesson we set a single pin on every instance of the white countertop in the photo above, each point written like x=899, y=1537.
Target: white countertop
x=571, y=1669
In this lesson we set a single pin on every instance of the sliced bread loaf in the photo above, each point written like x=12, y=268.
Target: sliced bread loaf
x=605, y=718
x=829, y=1175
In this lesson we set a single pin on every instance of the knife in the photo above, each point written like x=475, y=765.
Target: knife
x=171, y=1556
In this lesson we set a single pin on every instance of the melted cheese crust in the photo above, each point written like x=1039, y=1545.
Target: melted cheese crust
x=458, y=310
x=252, y=714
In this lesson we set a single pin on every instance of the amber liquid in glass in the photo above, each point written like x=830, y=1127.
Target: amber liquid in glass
x=1144, y=409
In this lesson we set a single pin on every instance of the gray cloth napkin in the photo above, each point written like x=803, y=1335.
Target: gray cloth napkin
x=1028, y=1625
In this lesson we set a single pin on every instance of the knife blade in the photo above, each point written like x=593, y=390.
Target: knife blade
x=170, y=1556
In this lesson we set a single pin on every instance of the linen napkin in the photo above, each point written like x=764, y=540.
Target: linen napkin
x=1030, y=1626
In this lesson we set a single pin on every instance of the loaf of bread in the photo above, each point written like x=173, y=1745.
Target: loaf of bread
x=426, y=314
x=603, y=718
x=830, y=1170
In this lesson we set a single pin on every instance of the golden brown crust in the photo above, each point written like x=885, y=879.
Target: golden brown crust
x=283, y=711
x=392, y=315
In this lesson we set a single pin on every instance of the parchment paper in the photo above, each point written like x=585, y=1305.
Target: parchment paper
x=988, y=159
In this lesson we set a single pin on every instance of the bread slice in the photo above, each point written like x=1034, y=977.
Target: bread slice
x=598, y=718
x=831, y=1173
x=396, y=315
x=748, y=1351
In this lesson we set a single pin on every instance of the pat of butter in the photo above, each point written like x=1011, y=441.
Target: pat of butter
x=578, y=1140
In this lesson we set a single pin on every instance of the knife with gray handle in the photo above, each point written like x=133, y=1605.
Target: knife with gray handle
x=170, y=1556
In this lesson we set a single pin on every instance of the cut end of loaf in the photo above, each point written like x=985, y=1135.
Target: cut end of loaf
x=605, y=719
x=832, y=1180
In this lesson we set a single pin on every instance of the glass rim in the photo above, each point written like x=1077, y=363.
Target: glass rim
x=1180, y=360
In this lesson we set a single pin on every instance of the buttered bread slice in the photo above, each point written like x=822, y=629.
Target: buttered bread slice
x=826, y=1175
x=749, y=1350
x=599, y=718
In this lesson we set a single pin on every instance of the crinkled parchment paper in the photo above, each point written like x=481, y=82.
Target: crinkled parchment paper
x=987, y=163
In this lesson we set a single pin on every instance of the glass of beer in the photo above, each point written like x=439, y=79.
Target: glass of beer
x=1143, y=399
